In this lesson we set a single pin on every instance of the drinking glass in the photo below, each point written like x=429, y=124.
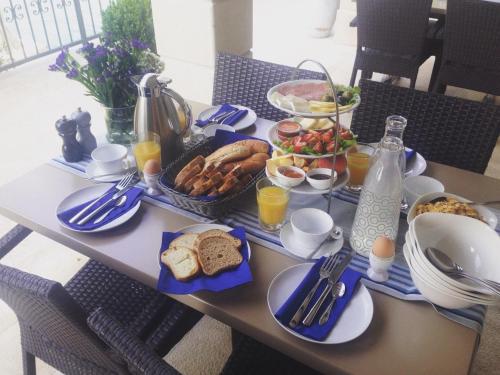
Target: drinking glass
x=272, y=202
x=358, y=163
x=146, y=146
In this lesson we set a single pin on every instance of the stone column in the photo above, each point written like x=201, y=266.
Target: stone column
x=190, y=32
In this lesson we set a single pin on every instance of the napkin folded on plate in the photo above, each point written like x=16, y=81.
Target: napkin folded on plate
x=225, y=108
x=167, y=283
x=316, y=331
x=133, y=196
x=409, y=153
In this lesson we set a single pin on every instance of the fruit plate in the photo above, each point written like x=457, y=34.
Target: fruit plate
x=272, y=137
x=306, y=189
x=276, y=90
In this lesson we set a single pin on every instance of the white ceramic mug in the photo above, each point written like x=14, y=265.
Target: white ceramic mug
x=111, y=158
x=416, y=186
x=311, y=226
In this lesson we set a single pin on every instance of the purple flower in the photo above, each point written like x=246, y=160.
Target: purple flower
x=100, y=51
x=61, y=58
x=138, y=44
x=53, y=68
x=73, y=73
x=87, y=48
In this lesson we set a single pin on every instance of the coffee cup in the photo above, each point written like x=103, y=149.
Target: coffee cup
x=111, y=158
x=311, y=227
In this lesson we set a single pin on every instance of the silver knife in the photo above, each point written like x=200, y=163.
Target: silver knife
x=334, y=277
x=104, y=205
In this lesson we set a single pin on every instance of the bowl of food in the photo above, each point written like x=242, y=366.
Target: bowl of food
x=287, y=128
x=290, y=176
x=451, y=204
x=319, y=178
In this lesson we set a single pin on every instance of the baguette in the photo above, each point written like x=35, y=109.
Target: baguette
x=253, y=164
x=228, y=184
x=228, y=153
x=255, y=145
x=188, y=186
x=189, y=170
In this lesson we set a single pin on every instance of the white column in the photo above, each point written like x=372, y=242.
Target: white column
x=190, y=32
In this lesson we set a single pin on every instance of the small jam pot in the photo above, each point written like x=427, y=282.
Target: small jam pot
x=288, y=128
x=319, y=178
x=290, y=176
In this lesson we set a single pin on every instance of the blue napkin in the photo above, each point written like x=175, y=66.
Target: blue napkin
x=167, y=283
x=318, y=332
x=225, y=108
x=133, y=196
x=409, y=153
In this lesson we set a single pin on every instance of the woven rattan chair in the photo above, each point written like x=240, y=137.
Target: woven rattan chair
x=471, y=52
x=392, y=38
x=448, y=130
x=244, y=81
x=52, y=319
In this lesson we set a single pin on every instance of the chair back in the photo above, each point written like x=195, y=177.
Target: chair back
x=244, y=81
x=394, y=27
x=448, y=130
x=472, y=34
x=53, y=323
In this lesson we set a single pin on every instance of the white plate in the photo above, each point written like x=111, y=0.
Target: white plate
x=88, y=194
x=353, y=322
x=244, y=123
x=287, y=240
x=199, y=228
x=416, y=166
x=307, y=114
x=306, y=189
x=93, y=170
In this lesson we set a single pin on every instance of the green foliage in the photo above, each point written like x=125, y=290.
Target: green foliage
x=128, y=20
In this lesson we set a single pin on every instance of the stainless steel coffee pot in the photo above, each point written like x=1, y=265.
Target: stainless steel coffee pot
x=161, y=110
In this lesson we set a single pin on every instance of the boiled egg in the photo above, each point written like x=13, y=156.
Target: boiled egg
x=384, y=247
x=152, y=167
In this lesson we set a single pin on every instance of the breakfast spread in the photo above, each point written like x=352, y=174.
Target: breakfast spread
x=448, y=205
x=227, y=170
x=209, y=252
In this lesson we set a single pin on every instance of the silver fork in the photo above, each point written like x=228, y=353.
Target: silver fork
x=122, y=184
x=324, y=272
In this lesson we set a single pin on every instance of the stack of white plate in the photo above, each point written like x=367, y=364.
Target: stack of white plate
x=469, y=242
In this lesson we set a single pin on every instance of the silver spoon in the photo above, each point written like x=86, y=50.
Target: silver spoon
x=444, y=263
x=335, y=234
x=121, y=202
x=338, y=291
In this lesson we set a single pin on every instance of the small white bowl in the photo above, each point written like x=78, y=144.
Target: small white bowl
x=209, y=130
x=290, y=181
x=416, y=186
x=311, y=226
x=320, y=184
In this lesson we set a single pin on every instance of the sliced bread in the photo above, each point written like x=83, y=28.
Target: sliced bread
x=186, y=240
x=182, y=261
x=218, y=253
x=217, y=233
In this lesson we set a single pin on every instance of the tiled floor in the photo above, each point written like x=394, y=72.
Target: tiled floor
x=32, y=99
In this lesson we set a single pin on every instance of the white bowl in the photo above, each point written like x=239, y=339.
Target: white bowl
x=209, y=130
x=290, y=181
x=320, y=184
x=416, y=186
x=311, y=226
x=488, y=216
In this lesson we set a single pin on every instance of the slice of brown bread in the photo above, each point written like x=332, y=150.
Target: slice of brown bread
x=217, y=233
x=217, y=254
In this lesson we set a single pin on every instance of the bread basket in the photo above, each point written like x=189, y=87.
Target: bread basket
x=211, y=208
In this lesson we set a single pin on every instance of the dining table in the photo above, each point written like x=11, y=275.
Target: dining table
x=403, y=337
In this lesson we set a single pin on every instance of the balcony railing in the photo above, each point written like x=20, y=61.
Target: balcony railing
x=31, y=29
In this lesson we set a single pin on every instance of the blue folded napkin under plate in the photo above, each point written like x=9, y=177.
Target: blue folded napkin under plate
x=316, y=331
x=225, y=108
x=409, y=153
x=167, y=283
x=133, y=196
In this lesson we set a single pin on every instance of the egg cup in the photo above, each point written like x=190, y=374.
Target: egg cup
x=151, y=181
x=378, y=267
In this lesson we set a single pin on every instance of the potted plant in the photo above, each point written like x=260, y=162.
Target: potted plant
x=105, y=71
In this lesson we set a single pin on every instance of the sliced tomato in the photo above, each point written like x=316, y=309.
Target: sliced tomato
x=345, y=134
x=326, y=137
x=297, y=139
x=330, y=147
x=307, y=137
x=286, y=144
x=318, y=147
x=297, y=148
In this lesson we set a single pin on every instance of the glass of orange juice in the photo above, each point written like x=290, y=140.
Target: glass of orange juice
x=358, y=163
x=146, y=147
x=272, y=202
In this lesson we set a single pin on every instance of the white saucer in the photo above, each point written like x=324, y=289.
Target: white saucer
x=287, y=240
x=416, y=166
x=353, y=322
x=88, y=194
x=93, y=170
x=244, y=123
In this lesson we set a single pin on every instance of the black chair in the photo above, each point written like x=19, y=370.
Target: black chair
x=393, y=38
x=244, y=81
x=453, y=131
x=471, y=52
x=52, y=320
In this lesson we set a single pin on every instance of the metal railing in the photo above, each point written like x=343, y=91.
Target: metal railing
x=33, y=28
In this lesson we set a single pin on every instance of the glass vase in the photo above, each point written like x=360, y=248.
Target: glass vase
x=119, y=124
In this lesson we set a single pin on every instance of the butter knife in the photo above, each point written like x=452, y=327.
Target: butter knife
x=334, y=277
x=99, y=209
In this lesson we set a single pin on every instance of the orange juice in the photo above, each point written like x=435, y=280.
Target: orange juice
x=358, y=164
x=272, y=202
x=144, y=151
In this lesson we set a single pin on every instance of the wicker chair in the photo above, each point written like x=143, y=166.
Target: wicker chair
x=244, y=81
x=392, y=38
x=457, y=132
x=471, y=52
x=52, y=319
